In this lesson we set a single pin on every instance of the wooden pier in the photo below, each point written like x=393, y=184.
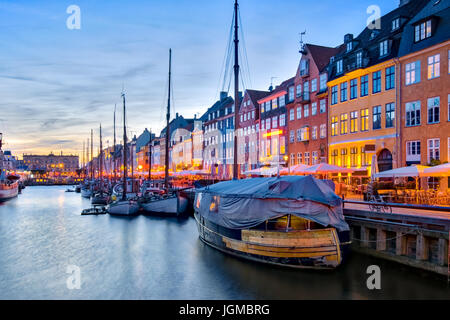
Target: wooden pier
x=417, y=237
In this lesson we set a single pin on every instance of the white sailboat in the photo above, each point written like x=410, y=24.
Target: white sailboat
x=9, y=184
x=124, y=206
x=168, y=203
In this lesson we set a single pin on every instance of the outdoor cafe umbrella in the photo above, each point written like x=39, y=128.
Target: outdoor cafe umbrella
x=409, y=171
x=295, y=169
x=325, y=168
x=442, y=170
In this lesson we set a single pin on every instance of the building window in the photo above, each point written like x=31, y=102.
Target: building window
x=359, y=59
x=253, y=114
x=376, y=82
x=323, y=81
x=274, y=103
x=412, y=113
x=306, y=110
x=433, y=110
x=433, y=150
x=422, y=31
x=262, y=124
x=315, y=157
x=434, y=66
x=323, y=131
x=304, y=67
x=334, y=95
x=383, y=48
x=353, y=157
x=306, y=90
x=282, y=120
x=299, y=90
x=343, y=91
x=344, y=157
x=292, y=159
x=291, y=93
x=314, y=133
x=344, y=126
x=339, y=66
x=353, y=89
x=307, y=158
x=291, y=114
x=364, y=119
x=299, y=112
x=395, y=24
x=353, y=121
x=299, y=158
x=268, y=106
x=390, y=115
x=274, y=122
x=299, y=135
x=412, y=72
x=313, y=85
x=282, y=101
x=390, y=78
x=364, y=85
x=349, y=46
x=314, y=108
x=413, y=151
x=334, y=126
x=334, y=155
x=323, y=106
x=448, y=111
x=268, y=124
x=291, y=136
x=376, y=116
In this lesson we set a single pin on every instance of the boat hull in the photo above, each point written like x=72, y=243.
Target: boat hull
x=312, y=249
x=123, y=208
x=173, y=206
x=86, y=193
x=9, y=191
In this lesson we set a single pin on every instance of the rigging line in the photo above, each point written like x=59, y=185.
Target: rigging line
x=244, y=48
x=225, y=62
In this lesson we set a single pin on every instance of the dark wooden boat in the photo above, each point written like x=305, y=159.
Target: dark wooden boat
x=290, y=221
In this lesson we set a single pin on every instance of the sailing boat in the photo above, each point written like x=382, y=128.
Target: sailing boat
x=9, y=184
x=124, y=206
x=167, y=204
x=100, y=197
x=291, y=221
x=86, y=189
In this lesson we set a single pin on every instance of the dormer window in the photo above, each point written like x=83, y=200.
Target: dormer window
x=374, y=34
x=359, y=59
x=339, y=66
x=349, y=46
x=383, y=48
x=395, y=24
x=422, y=31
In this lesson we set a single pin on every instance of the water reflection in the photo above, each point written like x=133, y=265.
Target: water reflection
x=148, y=257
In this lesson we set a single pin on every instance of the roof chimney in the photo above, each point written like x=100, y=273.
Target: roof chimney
x=348, y=37
x=223, y=95
x=176, y=115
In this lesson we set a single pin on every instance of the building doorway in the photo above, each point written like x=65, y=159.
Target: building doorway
x=384, y=160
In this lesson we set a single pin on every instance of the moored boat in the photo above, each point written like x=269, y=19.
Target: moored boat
x=293, y=221
x=123, y=207
x=9, y=187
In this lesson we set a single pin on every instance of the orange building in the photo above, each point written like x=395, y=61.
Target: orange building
x=363, y=113
x=425, y=88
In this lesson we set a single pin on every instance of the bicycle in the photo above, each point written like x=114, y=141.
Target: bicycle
x=379, y=205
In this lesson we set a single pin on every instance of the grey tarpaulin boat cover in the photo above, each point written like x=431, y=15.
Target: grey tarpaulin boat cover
x=242, y=204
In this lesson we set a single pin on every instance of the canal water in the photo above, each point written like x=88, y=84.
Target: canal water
x=42, y=234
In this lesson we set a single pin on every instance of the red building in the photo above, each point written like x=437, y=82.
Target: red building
x=248, y=130
x=273, y=124
x=308, y=116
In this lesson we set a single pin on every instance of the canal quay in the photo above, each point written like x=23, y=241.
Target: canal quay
x=42, y=234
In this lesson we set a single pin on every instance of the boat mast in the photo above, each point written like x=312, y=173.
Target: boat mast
x=86, y=172
x=101, y=160
x=124, y=197
x=150, y=157
x=236, y=90
x=82, y=162
x=114, y=147
x=92, y=154
x=166, y=173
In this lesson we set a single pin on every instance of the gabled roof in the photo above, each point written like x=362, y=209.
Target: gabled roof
x=218, y=105
x=369, y=39
x=283, y=87
x=256, y=95
x=178, y=122
x=321, y=54
x=438, y=10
